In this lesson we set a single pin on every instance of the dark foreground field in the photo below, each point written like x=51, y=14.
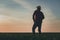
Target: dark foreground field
x=29, y=36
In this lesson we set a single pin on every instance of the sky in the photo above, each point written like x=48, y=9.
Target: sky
x=16, y=15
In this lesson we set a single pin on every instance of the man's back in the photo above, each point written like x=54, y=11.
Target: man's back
x=39, y=15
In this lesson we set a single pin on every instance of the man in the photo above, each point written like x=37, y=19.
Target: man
x=37, y=18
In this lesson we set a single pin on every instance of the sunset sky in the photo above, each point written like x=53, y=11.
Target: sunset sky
x=16, y=15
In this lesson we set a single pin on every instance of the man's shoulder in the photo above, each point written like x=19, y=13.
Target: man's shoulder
x=35, y=11
x=41, y=12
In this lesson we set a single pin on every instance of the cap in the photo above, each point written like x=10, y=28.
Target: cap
x=38, y=6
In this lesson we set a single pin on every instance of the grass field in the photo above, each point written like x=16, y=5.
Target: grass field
x=29, y=36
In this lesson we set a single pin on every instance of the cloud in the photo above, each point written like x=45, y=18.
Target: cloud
x=24, y=3
x=16, y=13
x=10, y=4
x=11, y=24
x=13, y=19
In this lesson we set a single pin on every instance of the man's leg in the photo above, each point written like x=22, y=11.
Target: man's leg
x=39, y=28
x=34, y=27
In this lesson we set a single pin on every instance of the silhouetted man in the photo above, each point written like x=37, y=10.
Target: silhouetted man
x=37, y=18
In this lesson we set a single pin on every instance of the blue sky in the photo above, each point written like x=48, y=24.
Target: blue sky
x=23, y=10
x=52, y=4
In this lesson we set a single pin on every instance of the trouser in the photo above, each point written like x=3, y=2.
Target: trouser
x=37, y=24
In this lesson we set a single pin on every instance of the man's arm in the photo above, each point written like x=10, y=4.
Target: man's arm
x=42, y=15
x=34, y=16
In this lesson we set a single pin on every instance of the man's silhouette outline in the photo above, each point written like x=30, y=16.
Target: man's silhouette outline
x=37, y=18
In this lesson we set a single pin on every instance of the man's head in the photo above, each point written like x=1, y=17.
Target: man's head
x=38, y=7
